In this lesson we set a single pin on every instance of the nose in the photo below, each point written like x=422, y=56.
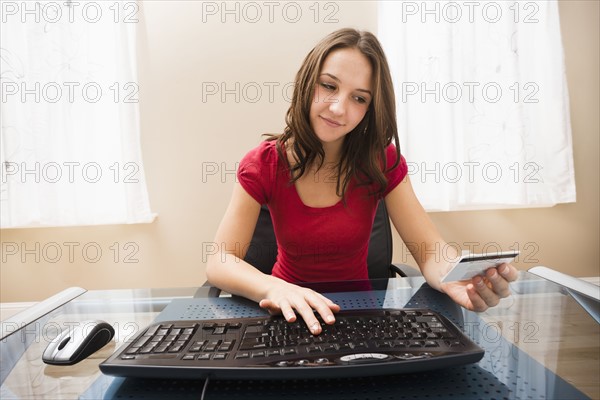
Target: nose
x=337, y=106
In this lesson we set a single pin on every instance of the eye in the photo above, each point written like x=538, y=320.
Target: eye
x=360, y=99
x=327, y=86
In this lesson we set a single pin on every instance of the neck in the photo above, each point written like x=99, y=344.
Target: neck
x=333, y=152
x=332, y=155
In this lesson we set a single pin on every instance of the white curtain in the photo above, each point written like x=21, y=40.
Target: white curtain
x=482, y=102
x=70, y=125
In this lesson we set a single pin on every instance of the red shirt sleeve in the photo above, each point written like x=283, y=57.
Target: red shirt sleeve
x=395, y=176
x=257, y=170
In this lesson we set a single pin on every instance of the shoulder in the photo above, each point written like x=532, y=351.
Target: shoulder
x=264, y=157
x=257, y=170
x=394, y=173
x=391, y=155
x=264, y=153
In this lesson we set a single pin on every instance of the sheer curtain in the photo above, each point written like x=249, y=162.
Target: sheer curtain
x=482, y=102
x=70, y=126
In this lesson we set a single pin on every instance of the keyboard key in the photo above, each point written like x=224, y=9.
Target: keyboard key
x=152, y=330
x=185, y=325
x=132, y=350
x=147, y=349
x=359, y=345
x=259, y=346
x=344, y=346
x=252, y=335
x=328, y=347
x=162, y=332
x=256, y=329
x=220, y=330
x=313, y=349
x=161, y=349
x=142, y=341
x=226, y=346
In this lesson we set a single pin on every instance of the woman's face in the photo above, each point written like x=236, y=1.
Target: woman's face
x=342, y=95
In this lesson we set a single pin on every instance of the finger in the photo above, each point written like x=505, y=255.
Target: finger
x=332, y=306
x=270, y=306
x=322, y=306
x=491, y=299
x=308, y=315
x=478, y=304
x=274, y=308
x=508, y=272
x=287, y=311
x=499, y=284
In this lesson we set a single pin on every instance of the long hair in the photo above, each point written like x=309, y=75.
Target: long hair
x=363, y=150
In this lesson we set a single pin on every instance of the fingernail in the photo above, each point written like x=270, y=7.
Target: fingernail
x=494, y=274
x=330, y=318
x=314, y=327
x=504, y=270
x=478, y=281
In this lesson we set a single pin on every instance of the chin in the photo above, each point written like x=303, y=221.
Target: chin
x=330, y=139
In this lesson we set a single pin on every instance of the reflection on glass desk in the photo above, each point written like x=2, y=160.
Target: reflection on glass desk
x=539, y=344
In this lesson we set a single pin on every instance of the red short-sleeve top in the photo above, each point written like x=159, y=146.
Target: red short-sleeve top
x=314, y=244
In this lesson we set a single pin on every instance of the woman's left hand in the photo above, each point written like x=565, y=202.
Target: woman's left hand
x=479, y=293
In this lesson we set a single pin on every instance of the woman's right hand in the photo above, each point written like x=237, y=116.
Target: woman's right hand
x=285, y=297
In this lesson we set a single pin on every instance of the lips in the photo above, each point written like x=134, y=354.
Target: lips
x=330, y=122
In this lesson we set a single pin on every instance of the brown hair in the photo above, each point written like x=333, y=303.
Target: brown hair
x=363, y=150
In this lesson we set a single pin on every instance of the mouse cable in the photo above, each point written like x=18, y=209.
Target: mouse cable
x=205, y=387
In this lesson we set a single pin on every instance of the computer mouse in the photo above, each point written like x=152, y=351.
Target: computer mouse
x=77, y=343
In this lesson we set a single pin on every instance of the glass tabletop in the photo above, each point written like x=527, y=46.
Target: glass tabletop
x=539, y=320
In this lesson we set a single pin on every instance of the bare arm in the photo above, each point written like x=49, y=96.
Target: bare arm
x=428, y=248
x=435, y=257
x=227, y=269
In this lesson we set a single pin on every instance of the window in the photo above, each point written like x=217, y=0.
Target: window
x=482, y=102
x=70, y=125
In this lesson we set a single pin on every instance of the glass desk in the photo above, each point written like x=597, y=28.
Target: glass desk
x=539, y=344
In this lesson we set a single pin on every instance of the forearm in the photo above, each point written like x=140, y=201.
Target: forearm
x=435, y=260
x=233, y=275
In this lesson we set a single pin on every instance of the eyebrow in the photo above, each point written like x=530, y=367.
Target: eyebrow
x=335, y=78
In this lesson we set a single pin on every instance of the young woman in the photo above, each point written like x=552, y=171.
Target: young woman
x=322, y=179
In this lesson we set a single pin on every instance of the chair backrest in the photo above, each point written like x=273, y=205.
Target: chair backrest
x=262, y=251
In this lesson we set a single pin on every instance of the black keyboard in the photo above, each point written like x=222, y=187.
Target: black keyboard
x=361, y=342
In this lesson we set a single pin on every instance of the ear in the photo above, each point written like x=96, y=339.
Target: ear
x=364, y=124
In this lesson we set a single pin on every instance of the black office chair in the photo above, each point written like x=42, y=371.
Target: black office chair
x=262, y=251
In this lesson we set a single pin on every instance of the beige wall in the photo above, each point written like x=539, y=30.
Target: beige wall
x=191, y=146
